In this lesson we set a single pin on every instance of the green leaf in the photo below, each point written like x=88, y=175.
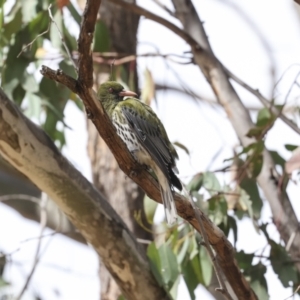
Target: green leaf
x=74, y=13
x=10, y=86
x=190, y=278
x=148, y=90
x=193, y=247
x=257, y=279
x=39, y=24
x=255, y=132
x=206, y=266
x=290, y=147
x=155, y=264
x=217, y=207
x=34, y=106
x=174, y=288
x=101, y=37
x=195, y=183
x=278, y=159
x=183, y=250
x=18, y=94
x=211, y=183
x=264, y=117
x=54, y=98
x=244, y=259
x=14, y=25
x=195, y=263
x=54, y=33
x=169, y=265
x=69, y=40
x=182, y=147
x=231, y=225
x=282, y=264
x=255, y=165
x=29, y=83
x=150, y=209
x=15, y=67
x=68, y=68
x=29, y=9
x=246, y=203
x=250, y=187
x=260, y=290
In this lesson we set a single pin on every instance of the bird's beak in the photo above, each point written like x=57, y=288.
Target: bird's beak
x=125, y=93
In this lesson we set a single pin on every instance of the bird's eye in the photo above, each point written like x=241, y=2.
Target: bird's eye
x=110, y=90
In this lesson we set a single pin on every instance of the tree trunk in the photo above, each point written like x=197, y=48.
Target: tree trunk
x=122, y=193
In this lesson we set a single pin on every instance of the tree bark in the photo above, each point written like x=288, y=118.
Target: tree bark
x=12, y=182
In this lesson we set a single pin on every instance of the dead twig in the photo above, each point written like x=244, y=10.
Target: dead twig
x=43, y=223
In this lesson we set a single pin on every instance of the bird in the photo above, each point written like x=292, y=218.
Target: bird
x=145, y=137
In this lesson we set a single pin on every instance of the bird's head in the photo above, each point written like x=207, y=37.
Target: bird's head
x=113, y=91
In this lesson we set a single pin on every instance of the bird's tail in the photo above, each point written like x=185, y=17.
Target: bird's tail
x=169, y=204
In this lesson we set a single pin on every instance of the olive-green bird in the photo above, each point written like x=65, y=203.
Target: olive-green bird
x=145, y=137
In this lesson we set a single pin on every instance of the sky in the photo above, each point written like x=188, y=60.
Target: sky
x=235, y=30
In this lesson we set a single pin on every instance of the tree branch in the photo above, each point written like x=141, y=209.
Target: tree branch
x=85, y=61
x=266, y=103
x=32, y=152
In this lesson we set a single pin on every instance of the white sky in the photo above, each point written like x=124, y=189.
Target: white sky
x=203, y=129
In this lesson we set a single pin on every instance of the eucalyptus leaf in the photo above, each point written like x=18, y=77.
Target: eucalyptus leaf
x=101, y=37
x=169, y=265
x=282, y=264
x=206, y=266
x=190, y=278
x=155, y=263
x=28, y=10
x=149, y=209
x=211, y=183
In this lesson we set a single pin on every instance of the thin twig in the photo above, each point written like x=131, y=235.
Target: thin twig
x=264, y=101
x=30, y=44
x=290, y=89
x=62, y=38
x=43, y=223
x=165, y=8
x=295, y=292
x=103, y=58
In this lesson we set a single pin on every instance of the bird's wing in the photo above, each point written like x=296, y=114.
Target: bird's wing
x=150, y=133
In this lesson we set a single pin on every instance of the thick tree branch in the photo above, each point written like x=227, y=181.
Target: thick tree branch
x=32, y=152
